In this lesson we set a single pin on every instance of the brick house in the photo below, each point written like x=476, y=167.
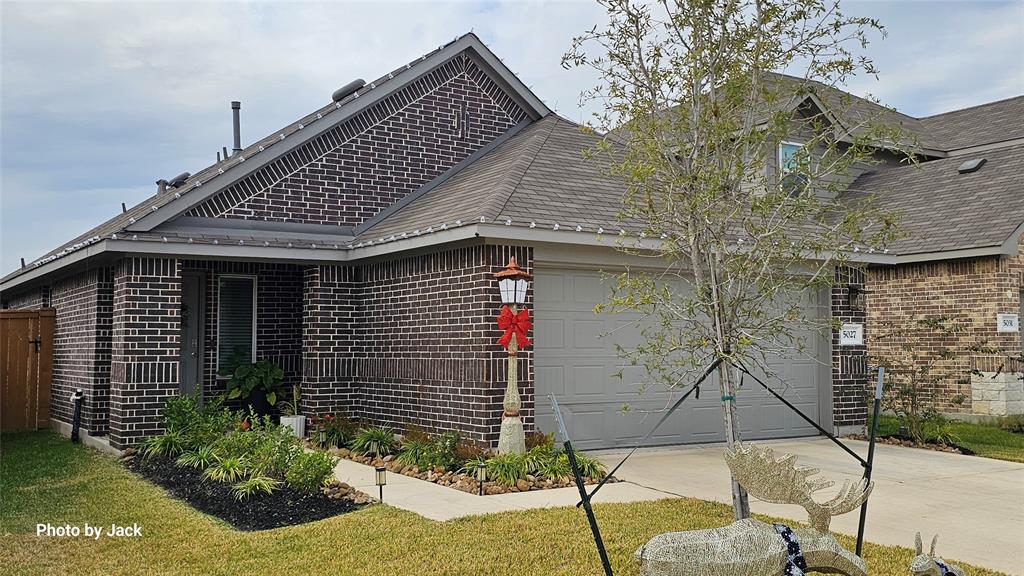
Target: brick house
x=356, y=249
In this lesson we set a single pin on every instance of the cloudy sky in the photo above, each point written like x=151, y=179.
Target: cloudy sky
x=99, y=100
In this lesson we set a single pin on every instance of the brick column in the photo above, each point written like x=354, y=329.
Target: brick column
x=849, y=363
x=146, y=330
x=329, y=363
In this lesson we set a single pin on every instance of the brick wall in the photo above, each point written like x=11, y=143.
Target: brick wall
x=972, y=291
x=33, y=299
x=145, y=347
x=361, y=167
x=278, y=316
x=849, y=363
x=413, y=341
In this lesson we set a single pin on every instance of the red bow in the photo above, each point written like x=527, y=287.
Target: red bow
x=518, y=324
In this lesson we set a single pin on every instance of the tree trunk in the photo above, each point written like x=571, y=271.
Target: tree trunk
x=740, y=502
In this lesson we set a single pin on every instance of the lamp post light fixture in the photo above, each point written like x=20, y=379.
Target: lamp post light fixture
x=381, y=480
x=513, y=283
x=481, y=476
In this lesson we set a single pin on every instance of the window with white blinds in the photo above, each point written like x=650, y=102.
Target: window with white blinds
x=236, y=324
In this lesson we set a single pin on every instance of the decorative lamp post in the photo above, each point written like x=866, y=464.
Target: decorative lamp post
x=481, y=476
x=381, y=480
x=513, y=283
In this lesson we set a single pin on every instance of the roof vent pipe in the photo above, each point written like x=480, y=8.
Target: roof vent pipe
x=347, y=90
x=236, y=107
x=161, y=187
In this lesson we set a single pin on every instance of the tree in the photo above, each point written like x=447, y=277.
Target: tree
x=695, y=107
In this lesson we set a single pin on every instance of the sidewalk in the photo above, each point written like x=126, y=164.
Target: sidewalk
x=442, y=503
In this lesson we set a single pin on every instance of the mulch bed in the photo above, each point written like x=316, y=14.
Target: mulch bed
x=911, y=443
x=462, y=482
x=284, y=507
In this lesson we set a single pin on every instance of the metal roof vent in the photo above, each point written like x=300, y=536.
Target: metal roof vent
x=347, y=90
x=971, y=166
x=178, y=180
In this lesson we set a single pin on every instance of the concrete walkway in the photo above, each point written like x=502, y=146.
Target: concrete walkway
x=976, y=505
x=442, y=503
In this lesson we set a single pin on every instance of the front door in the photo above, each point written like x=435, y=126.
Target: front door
x=192, y=292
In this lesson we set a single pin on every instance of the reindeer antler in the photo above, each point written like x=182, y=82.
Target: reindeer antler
x=782, y=482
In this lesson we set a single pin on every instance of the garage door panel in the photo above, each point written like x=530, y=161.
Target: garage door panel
x=578, y=361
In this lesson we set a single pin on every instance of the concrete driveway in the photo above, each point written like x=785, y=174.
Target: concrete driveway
x=975, y=504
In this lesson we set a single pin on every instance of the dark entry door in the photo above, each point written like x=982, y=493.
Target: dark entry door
x=192, y=300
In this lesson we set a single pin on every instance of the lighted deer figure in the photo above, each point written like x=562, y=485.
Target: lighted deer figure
x=750, y=547
x=929, y=564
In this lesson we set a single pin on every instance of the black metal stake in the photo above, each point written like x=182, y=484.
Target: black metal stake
x=871, y=455
x=583, y=489
x=76, y=420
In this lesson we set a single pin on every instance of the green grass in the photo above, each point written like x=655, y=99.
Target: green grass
x=984, y=440
x=44, y=478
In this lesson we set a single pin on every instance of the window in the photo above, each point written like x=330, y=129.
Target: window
x=788, y=156
x=236, y=320
x=792, y=182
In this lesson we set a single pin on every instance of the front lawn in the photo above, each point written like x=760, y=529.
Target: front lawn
x=44, y=478
x=987, y=440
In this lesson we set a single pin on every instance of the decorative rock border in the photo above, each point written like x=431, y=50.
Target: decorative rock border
x=459, y=481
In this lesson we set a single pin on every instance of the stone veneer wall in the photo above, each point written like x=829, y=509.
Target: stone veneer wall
x=972, y=291
x=413, y=341
x=145, y=346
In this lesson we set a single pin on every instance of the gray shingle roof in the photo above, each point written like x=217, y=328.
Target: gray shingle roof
x=943, y=210
x=993, y=122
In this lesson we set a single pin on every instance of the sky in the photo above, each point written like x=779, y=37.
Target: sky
x=99, y=100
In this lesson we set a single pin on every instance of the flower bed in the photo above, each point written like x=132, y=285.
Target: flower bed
x=240, y=467
x=449, y=460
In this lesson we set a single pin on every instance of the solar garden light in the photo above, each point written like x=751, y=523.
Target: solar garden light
x=481, y=476
x=381, y=480
x=513, y=283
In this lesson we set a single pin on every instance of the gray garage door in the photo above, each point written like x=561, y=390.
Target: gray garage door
x=578, y=365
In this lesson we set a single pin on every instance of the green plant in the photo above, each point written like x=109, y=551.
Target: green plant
x=375, y=441
x=226, y=469
x=1012, y=423
x=414, y=453
x=167, y=444
x=538, y=456
x=467, y=450
x=290, y=407
x=555, y=467
x=507, y=469
x=244, y=379
x=254, y=485
x=200, y=458
x=538, y=438
x=309, y=471
x=470, y=466
x=589, y=466
x=442, y=451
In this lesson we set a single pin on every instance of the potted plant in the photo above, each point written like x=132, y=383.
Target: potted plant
x=257, y=384
x=290, y=416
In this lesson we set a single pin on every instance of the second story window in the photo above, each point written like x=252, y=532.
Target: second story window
x=790, y=178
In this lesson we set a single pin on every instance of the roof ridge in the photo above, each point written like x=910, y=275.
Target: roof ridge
x=1001, y=100
x=522, y=161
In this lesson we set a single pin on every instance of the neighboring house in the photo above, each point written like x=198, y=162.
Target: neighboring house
x=356, y=249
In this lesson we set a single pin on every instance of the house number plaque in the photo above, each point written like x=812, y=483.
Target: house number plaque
x=1007, y=322
x=851, y=335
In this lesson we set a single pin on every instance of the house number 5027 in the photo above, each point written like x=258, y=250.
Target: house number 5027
x=1007, y=322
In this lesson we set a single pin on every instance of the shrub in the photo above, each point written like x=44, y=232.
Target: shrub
x=246, y=378
x=555, y=467
x=442, y=451
x=588, y=465
x=415, y=453
x=539, y=456
x=201, y=458
x=467, y=450
x=272, y=450
x=228, y=469
x=254, y=485
x=341, y=431
x=309, y=471
x=375, y=441
x=538, y=438
x=470, y=466
x=1012, y=423
x=507, y=468
x=168, y=444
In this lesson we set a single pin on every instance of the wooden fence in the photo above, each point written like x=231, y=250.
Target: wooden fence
x=26, y=367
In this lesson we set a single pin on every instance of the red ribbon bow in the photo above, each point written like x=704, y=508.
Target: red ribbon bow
x=518, y=324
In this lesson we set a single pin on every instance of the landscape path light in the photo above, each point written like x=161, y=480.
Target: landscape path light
x=513, y=283
x=381, y=480
x=481, y=476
